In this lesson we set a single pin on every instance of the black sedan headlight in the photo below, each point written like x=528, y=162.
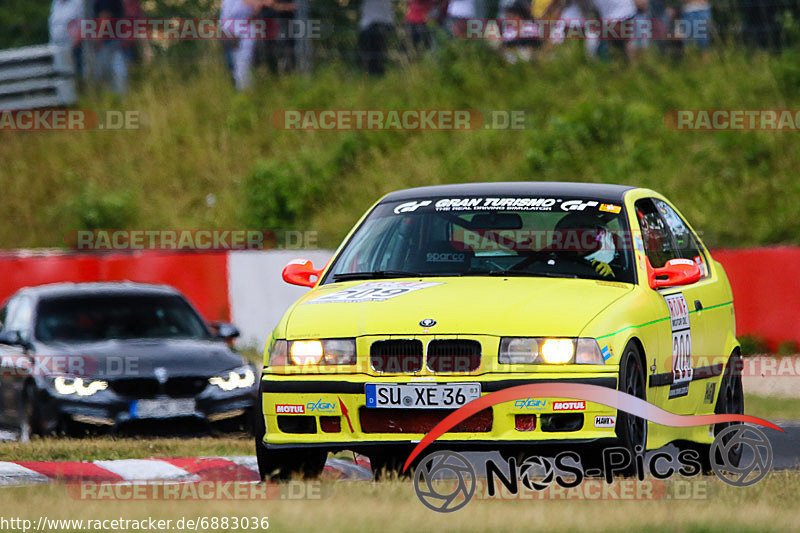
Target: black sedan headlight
x=76, y=386
x=238, y=378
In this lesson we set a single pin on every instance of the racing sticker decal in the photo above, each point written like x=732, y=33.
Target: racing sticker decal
x=373, y=291
x=290, y=409
x=610, y=208
x=607, y=353
x=569, y=406
x=682, y=371
x=605, y=421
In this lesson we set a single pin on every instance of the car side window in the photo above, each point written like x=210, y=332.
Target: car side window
x=686, y=243
x=3, y=314
x=658, y=242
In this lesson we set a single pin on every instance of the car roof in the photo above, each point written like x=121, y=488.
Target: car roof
x=599, y=191
x=105, y=288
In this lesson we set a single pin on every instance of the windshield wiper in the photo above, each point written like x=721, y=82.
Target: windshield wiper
x=521, y=273
x=345, y=276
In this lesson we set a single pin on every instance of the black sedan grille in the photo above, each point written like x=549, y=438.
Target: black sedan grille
x=179, y=387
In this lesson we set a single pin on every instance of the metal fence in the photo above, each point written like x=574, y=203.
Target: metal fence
x=36, y=76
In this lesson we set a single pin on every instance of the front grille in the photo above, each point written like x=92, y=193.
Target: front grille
x=396, y=356
x=136, y=387
x=184, y=387
x=456, y=355
x=419, y=420
x=181, y=387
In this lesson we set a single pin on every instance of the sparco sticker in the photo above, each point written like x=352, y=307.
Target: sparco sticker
x=373, y=291
x=682, y=371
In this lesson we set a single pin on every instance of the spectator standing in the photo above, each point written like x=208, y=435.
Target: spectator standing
x=458, y=13
x=419, y=14
x=618, y=11
x=62, y=12
x=279, y=49
x=110, y=61
x=239, y=53
x=132, y=9
x=696, y=22
x=375, y=25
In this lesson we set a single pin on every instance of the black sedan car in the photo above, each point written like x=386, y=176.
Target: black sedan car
x=107, y=355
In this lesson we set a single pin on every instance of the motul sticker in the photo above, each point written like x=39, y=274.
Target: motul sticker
x=605, y=421
x=569, y=406
x=290, y=409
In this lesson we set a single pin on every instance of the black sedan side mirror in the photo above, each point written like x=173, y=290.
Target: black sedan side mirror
x=224, y=331
x=12, y=338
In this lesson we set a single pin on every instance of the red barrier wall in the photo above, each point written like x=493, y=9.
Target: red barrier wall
x=765, y=281
x=766, y=291
x=202, y=277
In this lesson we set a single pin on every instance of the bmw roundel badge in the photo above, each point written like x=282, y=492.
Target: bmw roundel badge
x=427, y=323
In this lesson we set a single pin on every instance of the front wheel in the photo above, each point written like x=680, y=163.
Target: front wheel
x=632, y=430
x=730, y=400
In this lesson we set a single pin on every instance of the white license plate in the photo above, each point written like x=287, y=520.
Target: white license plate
x=162, y=408
x=422, y=396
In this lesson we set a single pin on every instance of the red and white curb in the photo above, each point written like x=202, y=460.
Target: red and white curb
x=179, y=470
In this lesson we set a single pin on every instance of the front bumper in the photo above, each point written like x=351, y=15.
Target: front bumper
x=331, y=412
x=107, y=409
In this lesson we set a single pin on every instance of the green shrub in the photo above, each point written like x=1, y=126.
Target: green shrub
x=753, y=345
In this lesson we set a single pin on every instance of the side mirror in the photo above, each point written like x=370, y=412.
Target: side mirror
x=224, y=331
x=674, y=273
x=300, y=272
x=12, y=338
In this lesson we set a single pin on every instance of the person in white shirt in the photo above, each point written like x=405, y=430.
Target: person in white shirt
x=240, y=55
x=62, y=12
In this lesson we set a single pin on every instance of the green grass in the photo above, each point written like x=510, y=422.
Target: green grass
x=393, y=507
x=772, y=408
x=107, y=448
x=587, y=121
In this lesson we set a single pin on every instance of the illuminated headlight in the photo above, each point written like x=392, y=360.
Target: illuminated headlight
x=67, y=386
x=313, y=352
x=549, y=351
x=239, y=378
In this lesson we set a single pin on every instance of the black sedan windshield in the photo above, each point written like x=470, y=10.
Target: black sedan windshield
x=100, y=318
x=479, y=236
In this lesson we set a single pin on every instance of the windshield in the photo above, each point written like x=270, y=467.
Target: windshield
x=478, y=236
x=101, y=318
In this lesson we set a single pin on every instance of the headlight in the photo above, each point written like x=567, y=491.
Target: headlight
x=313, y=352
x=239, y=378
x=552, y=351
x=67, y=385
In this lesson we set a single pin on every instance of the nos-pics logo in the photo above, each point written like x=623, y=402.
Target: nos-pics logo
x=446, y=481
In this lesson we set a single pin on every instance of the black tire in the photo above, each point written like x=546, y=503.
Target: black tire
x=632, y=430
x=388, y=466
x=281, y=465
x=730, y=400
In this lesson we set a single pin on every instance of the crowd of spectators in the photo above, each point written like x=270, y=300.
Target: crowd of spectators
x=673, y=25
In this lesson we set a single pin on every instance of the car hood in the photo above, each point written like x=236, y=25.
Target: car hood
x=469, y=305
x=141, y=357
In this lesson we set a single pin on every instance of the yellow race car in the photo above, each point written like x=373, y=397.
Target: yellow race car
x=442, y=294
